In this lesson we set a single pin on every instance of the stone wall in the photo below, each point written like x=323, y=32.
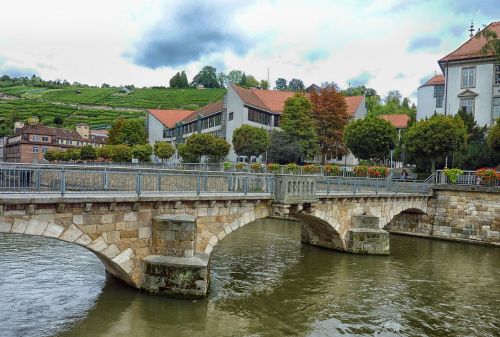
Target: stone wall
x=456, y=213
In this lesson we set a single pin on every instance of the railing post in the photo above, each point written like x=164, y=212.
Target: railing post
x=63, y=182
x=105, y=181
x=245, y=185
x=37, y=181
x=138, y=182
x=205, y=183
x=198, y=183
x=159, y=181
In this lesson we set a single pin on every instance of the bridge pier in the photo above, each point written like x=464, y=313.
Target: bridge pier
x=175, y=269
x=365, y=237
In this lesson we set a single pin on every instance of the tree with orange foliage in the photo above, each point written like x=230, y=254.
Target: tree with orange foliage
x=331, y=115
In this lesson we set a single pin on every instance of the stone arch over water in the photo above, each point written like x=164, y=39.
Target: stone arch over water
x=117, y=262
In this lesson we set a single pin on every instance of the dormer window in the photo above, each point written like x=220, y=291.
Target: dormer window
x=468, y=77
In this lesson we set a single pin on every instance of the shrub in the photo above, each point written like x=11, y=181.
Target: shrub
x=240, y=166
x=332, y=170
x=452, y=174
x=227, y=165
x=360, y=171
x=487, y=176
x=378, y=171
x=273, y=167
x=311, y=169
x=291, y=168
x=256, y=167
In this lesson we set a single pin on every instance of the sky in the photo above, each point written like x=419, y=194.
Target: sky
x=383, y=44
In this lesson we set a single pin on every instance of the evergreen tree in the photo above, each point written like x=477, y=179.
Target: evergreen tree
x=298, y=123
x=184, y=81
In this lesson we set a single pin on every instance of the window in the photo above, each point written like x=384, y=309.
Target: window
x=277, y=120
x=496, y=108
x=45, y=138
x=468, y=77
x=467, y=105
x=259, y=117
x=438, y=95
x=35, y=138
x=496, y=79
x=44, y=149
x=231, y=116
x=35, y=149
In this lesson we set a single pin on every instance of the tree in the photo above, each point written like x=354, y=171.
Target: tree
x=50, y=155
x=281, y=84
x=282, y=149
x=187, y=157
x=330, y=85
x=175, y=81
x=58, y=120
x=435, y=138
x=370, y=138
x=298, y=123
x=121, y=153
x=234, y=76
x=264, y=84
x=204, y=144
x=493, y=139
x=88, y=153
x=105, y=85
x=251, y=82
x=105, y=152
x=331, y=115
x=393, y=96
x=222, y=79
x=492, y=45
x=184, y=81
x=127, y=131
x=475, y=133
x=243, y=80
x=296, y=85
x=163, y=150
x=207, y=77
x=250, y=141
x=72, y=154
x=142, y=152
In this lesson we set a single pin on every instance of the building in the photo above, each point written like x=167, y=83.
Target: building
x=471, y=83
x=430, y=97
x=255, y=107
x=3, y=141
x=399, y=121
x=30, y=142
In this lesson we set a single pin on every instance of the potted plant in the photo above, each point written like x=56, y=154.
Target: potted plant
x=291, y=168
x=332, y=170
x=240, y=166
x=360, y=171
x=452, y=174
x=256, y=167
x=487, y=176
x=311, y=169
x=378, y=171
x=227, y=166
x=273, y=167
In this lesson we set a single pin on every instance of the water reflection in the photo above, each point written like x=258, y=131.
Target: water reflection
x=265, y=283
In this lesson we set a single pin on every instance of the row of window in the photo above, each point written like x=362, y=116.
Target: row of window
x=467, y=105
x=36, y=149
x=262, y=117
x=37, y=138
x=469, y=76
x=198, y=125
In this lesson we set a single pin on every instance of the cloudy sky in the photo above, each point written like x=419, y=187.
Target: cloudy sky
x=384, y=44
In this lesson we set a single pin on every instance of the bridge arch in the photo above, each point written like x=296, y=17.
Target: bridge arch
x=117, y=262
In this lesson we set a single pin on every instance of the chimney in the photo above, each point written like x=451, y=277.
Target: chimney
x=83, y=130
x=18, y=126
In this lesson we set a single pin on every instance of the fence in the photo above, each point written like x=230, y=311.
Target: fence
x=467, y=178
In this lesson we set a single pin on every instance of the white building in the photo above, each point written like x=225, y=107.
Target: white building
x=255, y=107
x=430, y=97
x=472, y=82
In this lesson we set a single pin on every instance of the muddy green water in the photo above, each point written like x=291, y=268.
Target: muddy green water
x=264, y=283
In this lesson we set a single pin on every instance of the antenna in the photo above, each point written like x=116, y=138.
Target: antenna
x=269, y=84
x=471, y=30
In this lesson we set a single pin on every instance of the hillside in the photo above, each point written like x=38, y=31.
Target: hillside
x=96, y=106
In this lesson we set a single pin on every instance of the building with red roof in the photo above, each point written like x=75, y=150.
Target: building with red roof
x=470, y=82
x=256, y=107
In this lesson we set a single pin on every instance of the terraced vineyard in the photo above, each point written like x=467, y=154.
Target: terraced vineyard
x=20, y=109
x=78, y=95
x=163, y=98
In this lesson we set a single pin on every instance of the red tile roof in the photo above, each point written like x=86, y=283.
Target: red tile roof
x=274, y=100
x=205, y=111
x=435, y=80
x=471, y=49
x=400, y=121
x=40, y=129
x=170, y=117
x=353, y=103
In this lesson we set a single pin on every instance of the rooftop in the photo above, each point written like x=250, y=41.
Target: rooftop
x=170, y=117
x=435, y=80
x=400, y=121
x=471, y=49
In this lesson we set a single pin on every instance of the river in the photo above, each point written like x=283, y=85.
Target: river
x=264, y=283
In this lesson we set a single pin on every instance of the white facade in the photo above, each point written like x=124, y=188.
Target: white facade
x=482, y=95
x=427, y=103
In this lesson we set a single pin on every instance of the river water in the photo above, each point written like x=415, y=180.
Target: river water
x=264, y=283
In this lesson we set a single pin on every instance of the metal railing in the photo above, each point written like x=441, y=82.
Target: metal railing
x=466, y=178
x=338, y=185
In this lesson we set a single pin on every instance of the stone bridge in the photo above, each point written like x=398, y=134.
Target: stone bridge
x=162, y=243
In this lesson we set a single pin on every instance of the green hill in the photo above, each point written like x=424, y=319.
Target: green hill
x=94, y=106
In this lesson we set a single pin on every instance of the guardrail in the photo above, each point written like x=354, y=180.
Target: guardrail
x=466, y=178
x=92, y=180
